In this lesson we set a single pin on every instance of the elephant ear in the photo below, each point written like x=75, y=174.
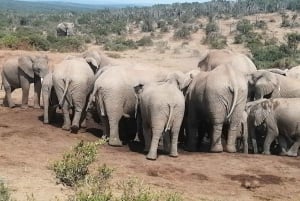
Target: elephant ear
x=26, y=65
x=266, y=84
x=261, y=112
x=180, y=79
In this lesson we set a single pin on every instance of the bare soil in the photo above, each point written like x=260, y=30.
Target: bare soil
x=28, y=147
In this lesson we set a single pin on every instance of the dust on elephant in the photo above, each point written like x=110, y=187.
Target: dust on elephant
x=50, y=100
x=115, y=96
x=266, y=84
x=213, y=58
x=65, y=29
x=162, y=109
x=213, y=99
x=20, y=72
x=281, y=117
x=73, y=81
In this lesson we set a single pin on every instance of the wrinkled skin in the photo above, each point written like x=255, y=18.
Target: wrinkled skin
x=50, y=100
x=211, y=104
x=162, y=110
x=294, y=72
x=237, y=61
x=73, y=81
x=281, y=117
x=20, y=72
x=242, y=136
x=65, y=29
x=115, y=96
x=265, y=84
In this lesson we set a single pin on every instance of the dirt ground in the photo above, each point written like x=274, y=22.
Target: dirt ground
x=27, y=147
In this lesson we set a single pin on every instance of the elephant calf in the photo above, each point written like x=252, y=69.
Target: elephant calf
x=162, y=110
x=20, y=72
x=281, y=117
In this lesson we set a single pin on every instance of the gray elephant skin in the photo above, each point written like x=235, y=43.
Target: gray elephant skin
x=213, y=99
x=65, y=29
x=20, y=72
x=162, y=107
x=281, y=117
x=213, y=58
x=265, y=84
x=73, y=81
x=50, y=100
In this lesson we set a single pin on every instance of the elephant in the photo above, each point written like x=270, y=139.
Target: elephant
x=242, y=136
x=65, y=29
x=281, y=117
x=115, y=96
x=73, y=81
x=215, y=100
x=162, y=107
x=265, y=84
x=50, y=100
x=292, y=72
x=20, y=72
x=213, y=58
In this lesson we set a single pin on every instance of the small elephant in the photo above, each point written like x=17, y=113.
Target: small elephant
x=50, y=100
x=213, y=58
x=242, y=136
x=281, y=117
x=20, y=72
x=65, y=29
x=162, y=110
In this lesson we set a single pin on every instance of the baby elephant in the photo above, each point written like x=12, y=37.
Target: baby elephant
x=282, y=118
x=162, y=110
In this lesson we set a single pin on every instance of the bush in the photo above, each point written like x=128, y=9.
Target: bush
x=260, y=24
x=211, y=27
x=183, y=33
x=4, y=192
x=145, y=41
x=10, y=41
x=38, y=42
x=120, y=44
x=66, y=44
x=74, y=165
x=244, y=26
x=216, y=41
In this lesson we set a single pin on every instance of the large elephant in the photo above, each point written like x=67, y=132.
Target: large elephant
x=281, y=117
x=265, y=84
x=214, y=99
x=65, y=29
x=19, y=72
x=50, y=100
x=213, y=58
x=73, y=81
x=292, y=72
x=162, y=110
x=115, y=96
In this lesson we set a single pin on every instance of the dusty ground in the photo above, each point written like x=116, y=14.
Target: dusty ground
x=27, y=146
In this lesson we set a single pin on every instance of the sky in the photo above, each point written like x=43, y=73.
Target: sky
x=126, y=1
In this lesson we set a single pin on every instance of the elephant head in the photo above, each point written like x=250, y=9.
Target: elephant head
x=34, y=65
x=65, y=29
x=263, y=83
x=93, y=58
x=180, y=79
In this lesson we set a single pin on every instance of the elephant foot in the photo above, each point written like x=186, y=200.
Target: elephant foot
x=74, y=129
x=24, y=106
x=151, y=157
x=230, y=149
x=11, y=105
x=217, y=148
x=115, y=142
x=37, y=107
x=267, y=152
x=46, y=121
x=175, y=155
x=83, y=130
x=66, y=127
x=292, y=154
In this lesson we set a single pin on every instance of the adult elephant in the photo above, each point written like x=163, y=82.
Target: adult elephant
x=162, y=110
x=65, y=29
x=115, y=96
x=73, y=81
x=266, y=84
x=214, y=99
x=281, y=117
x=20, y=72
x=213, y=58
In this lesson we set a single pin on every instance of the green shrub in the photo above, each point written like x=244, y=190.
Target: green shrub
x=66, y=44
x=244, y=26
x=260, y=24
x=145, y=41
x=211, y=27
x=74, y=165
x=285, y=20
x=120, y=44
x=39, y=42
x=4, y=192
x=10, y=41
x=183, y=33
x=215, y=41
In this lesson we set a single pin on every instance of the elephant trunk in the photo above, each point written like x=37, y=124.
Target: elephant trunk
x=67, y=83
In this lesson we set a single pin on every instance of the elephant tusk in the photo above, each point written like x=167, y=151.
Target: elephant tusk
x=42, y=79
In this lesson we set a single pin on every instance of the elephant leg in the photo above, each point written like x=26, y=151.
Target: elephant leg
x=147, y=137
x=114, y=139
x=37, y=92
x=8, y=102
x=25, y=85
x=174, y=141
x=216, y=143
x=105, y=125
x=192, y=132
x=231, y=139
x=293, y=151
x=271, y=135
x=283, y=145
x=76, y=120
x=67, y=120
x=156, y=133
x=245, y=144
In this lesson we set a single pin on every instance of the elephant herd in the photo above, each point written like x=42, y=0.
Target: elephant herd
x=225, y=100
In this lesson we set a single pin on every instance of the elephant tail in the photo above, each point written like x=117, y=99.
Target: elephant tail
x=168, y=126
x=234, y=90
x=67, y=83
x=92, y=95
x=101, y=105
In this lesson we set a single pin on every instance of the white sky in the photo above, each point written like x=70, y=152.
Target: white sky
x=125, y=2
